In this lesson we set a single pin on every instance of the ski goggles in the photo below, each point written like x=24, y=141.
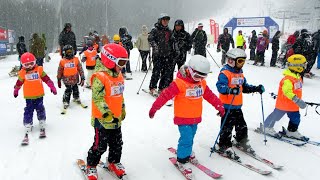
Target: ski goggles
x=69, y=51
x=240, y=61
x=121, y=62
x=304, y=65
x=197, y=76
x=29, y=65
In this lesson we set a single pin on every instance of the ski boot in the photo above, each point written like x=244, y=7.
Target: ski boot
x=186, y=171
x=92, y=173
x=25, y=140
x=244, y=145
x=77, y=100
x=42, y=124
x=294, y=135
x=270, y=131
x=65, y=105
x=227, y=152
x=153, y=92
x=193, y=159
x=117, y=169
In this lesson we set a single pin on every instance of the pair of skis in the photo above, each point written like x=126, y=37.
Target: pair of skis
x=83, y=166
x=25, y=140
x=64, y=110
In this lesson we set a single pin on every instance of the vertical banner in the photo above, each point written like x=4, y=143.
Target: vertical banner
x=212, y=22
x=3, y=35
x=216, y=33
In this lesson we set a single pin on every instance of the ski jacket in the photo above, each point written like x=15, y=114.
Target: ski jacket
x=303, y=45
x=199, y=39
x=262, y=44
x=90, y=58
x=66, y=38
x=107, y=96
x=289, y=86
x=32, y=82
x=275, y=41
x=160, y=39
x=316, y=41
x=253, y=41
x=182, y=92
x=240, y=40
x=224, y=41
x=37, y=46
x=229, y=78
x=143, y=43
x=70, y=70
x=181, y=42
x=291, y=39
x=21, y=46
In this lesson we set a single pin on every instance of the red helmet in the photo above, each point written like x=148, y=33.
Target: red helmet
x=28, y=60
x=114, y=54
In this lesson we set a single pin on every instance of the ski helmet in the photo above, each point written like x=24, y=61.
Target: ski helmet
x=28, y=60
x=89, y=43
x=200, y=25
x=67, y=52
x=236, y=57
x=297, y=63
x=114, y=54
x=116, y=37
x=199, y=67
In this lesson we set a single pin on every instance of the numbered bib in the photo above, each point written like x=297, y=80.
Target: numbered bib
x=195, y=92
x=237, y=81
x=298, y=85
x=32, y=76
x=70, y=65
x=117, y=90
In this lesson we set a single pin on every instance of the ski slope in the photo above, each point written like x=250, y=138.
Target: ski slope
x=145, y=154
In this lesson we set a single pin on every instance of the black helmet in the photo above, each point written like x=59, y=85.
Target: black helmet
x=123, y=30
x=89, y=43
x=67, y=52
x=304, y=31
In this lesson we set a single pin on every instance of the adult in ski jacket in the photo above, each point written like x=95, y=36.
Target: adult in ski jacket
x=253, y=45
x=224, y=42
x=275, y=48
x=199, y=39
x=67, y=37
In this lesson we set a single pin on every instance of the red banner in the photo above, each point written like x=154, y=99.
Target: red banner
x=212, y=22
x=3, y=34
x=216, y=33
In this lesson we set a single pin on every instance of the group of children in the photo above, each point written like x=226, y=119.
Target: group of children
x=188, y=91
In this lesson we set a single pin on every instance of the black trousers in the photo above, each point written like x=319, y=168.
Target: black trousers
x=260, y=57
x=163, y=68
x=180, y=60
x=234, y=119
x=252, y=54
x=144, y=56
x=311, y=59
x=274, y=58
x=102, y=139
x=223, y=57
x=127, y=68
x=200, y=50
x=67, y=93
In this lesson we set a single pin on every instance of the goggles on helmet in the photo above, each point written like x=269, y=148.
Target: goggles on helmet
x=303, y=65
x=29, y=65
x=197, y=76
x=240, y=61
x=121, y=62
x=69, y=52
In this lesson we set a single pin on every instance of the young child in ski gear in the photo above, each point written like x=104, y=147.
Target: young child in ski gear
x=116, y=39
x=231, y=84
x=289, y=98
x=262, y=45
x=90, y=56
x=188, y=91
x=69, y=71
x=108, y=110
x=31, y=77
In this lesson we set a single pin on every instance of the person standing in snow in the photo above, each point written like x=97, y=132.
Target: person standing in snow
x=289, y=99
x=275, y=48
x=31, y=77
x=67, y=37
x=316, y=41
x=160, y=39
x=37, y=48
x=224, y=42
x=262, y=45
x=126, y=40
x=143, y=47
x=199, y=40
x=108, y=110
x=181, y=43
x=231, y=84
x=69, y=71
x=21, y=47
x=240, y=40
x=253, y=45
x=90, y=56
x=188, y=91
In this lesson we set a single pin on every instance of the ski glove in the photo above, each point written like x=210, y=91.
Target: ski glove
x=16, y=92
x=59, y=83
x=123, y=113
x=152, y=112
x=81, y=82
x=299, y=102
x=234, y=91
x=108, y=116
x=53, y=90
x=221, y=110
x=260, y=89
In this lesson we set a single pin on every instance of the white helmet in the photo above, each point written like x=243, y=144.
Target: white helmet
x=164, y=16
x=199, y=63
x=236, y=53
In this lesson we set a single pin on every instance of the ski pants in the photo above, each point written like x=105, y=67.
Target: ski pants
x=67, y=93
x=260, y=57
x=127, y=68
x=163, y=68
x=200, y=50
x=252, y=54
x=180, y=60
x=274, y=58
x=184, y=150
x=318, y=61
x=90, y=72
x=234, y=119
x=39, y=61
x=277, y=114
x=31, y=105
x=102, y=139
x=223, y=58
x=144, y=56
x=311, y=59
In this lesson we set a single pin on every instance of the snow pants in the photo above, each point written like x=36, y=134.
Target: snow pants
x=102, y=139
x=223, y=58
x=67, y=93
x=39, y=61
x=127, y=68
x=184, y=150
x=31, y=105
x=200, y=50
x=144, y=56
x=277, y=114
x=274, y=58
x=318, y=61
x=90, y=72
x=234, y=119
x=180, y=60
x=163, y=67
x=252, y=54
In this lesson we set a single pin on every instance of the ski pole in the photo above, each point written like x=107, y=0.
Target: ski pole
x=145, y=76
x=264, y=128
x=224, y=121
x=212, y=58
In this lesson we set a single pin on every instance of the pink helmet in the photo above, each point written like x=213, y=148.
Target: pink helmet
x=28, y=60
x=114, y=54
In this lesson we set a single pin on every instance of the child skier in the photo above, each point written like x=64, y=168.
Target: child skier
x=231, y=84
x=69, y=71
x=289, y=99
x=89, y=57
x=108, y=110
x=31, y=77
x=188, y=91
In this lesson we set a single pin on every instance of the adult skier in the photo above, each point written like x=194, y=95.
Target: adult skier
x=199, y=39
x=224, y=42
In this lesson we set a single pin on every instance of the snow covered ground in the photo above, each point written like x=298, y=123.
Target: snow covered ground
x=145, y=154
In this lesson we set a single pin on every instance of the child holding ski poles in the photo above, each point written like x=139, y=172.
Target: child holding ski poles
x=289, y=99
x=231, y=84
x=31, y=77
x=108, y=110
x=188, y=91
